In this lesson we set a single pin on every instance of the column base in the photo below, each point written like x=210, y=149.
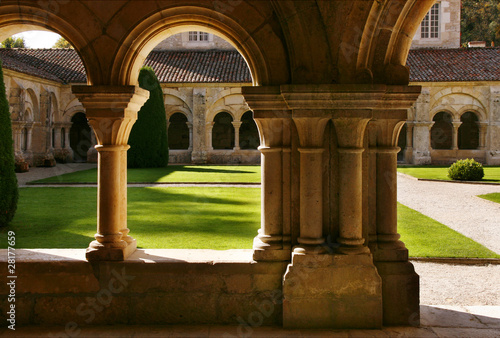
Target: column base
x=400, y=292
x=99, y=252
x=332, y=291
x=270, y=251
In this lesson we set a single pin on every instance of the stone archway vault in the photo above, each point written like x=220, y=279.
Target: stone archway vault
x=331, y=94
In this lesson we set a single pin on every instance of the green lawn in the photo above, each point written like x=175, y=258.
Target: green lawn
x=174, y=173
x=191, y=218
x=425, y=237
x=491, y=174
x=188, y=218
x=494, y=197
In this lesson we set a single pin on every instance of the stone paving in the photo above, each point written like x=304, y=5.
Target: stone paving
x=455, y=205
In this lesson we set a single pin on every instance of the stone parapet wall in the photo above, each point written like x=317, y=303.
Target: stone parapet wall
x=59, y=287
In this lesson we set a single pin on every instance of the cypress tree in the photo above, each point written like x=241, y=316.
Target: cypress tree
x=8, y=180
x=148, y=138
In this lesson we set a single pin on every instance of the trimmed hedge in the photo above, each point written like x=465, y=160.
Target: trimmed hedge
x=9, y=193
x=148, y=138
x=466, y=170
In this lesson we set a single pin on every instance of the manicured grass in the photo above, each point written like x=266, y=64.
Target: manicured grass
x=192, y=218
x=188, y=218
x=491, y=174
x=174, y=173
x=494, y=197
x=425, y=237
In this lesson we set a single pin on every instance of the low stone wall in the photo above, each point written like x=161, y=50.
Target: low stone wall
x=59, y=287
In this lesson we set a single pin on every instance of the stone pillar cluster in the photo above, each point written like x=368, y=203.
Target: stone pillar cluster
x=315, y=195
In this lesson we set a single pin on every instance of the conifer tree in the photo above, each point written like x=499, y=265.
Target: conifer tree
x=8, y=180
x=148, y=138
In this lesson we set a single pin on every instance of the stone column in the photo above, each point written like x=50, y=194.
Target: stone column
x=236, y=125
x=350, y=133
x=483, y=130
x=311, y=132
x=400, y=283
x=190, y=127
x=273, y=121
x=208, y=127
x=454, y=137
x=422, y=144
x=409, y=142
x=111, y=111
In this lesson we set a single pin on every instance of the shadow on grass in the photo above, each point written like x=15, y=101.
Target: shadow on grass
x=207, y=218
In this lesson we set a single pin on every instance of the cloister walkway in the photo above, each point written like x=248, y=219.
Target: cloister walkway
x=457, y=206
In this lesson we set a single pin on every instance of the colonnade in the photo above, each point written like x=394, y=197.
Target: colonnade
x=365, y=121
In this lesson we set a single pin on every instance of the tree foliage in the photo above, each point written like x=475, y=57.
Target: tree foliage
x=481, y=21
x=62, y=43
x=8, y=182
x=11, y=42
x=148, y=138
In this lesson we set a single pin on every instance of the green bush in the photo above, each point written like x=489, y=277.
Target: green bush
x=8, y=181
x=148, y=138
x=466, y=170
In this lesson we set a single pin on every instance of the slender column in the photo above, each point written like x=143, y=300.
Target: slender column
x=409, y=142
x=236, y=125
x=190, y=127
x=111, y=112
x=208, y=127
x=311, y=131
x=270, y=233
x=350, y=133
x=454, y=138
x=483, y=130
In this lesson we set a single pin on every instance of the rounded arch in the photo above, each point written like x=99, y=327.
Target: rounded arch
x=178, y=131
x=442, y=131
x=73, y=107
x=444, y=109
x=210, y=117
x=169, y=111
x=477, y=110
x=54, y=17
x=249, y=133
x=468, y=132
x=35, y=114
x=166, y=22
x=223, y=136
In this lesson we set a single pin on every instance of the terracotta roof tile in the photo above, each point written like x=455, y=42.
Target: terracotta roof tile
x=426, y=65
x=463, y=64
x=65, y=66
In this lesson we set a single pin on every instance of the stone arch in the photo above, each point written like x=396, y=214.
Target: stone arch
x=468, y=132
x=478, y=110
x=223, y=136
x=178, y=131
x=249, y=134
x=73, y=107
x=33, y=100
x=80, y=139
x=145, y=35
x=442, y=131
x=54, y=17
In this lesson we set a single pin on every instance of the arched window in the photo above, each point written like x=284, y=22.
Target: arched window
x=468, y=132
x=442, y=131
x=223, y=131
x=178, y=132
x=79, y=137
x=402, y=143
x=249, y=134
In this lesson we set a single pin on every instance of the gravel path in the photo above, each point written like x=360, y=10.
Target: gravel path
x=457, y=206
x=38, y=173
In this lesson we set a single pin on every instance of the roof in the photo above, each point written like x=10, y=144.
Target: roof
x=65, y=66
x=426, y=65
x=449, y=65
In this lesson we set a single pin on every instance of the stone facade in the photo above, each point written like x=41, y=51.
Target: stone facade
x=428, y=140
x=448, y=27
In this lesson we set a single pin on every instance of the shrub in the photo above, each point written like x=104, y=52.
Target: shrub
x=8, y=180
x=466, y=170
x=148, y=138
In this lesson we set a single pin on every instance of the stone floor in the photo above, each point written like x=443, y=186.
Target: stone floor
x=437, y=321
